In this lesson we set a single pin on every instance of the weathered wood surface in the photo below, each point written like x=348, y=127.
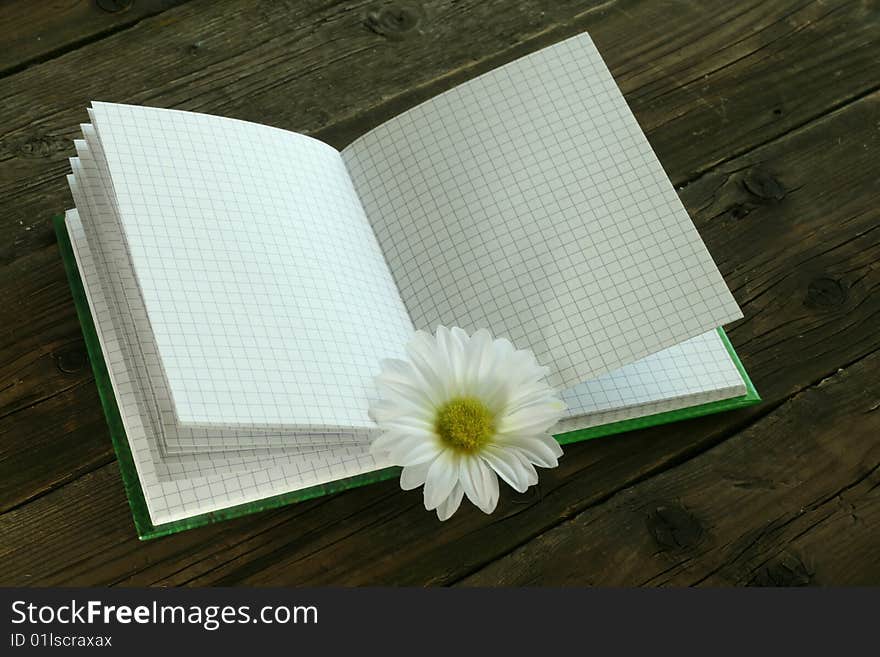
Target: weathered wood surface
x=765, y=114
x=34, y=31
x=796, y=493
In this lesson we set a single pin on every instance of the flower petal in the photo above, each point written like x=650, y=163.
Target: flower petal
x=411, y=393
x=449, y=349
x=528, y=394
x=493, y=385
x=477, y=356
x=441, y=479
x=413, y=476
x=385, y=442
x=530, y=469
x=413, y=452
x=388, y=410
x=531, y=419
x=458, y=341
x=411, y=426
x=451, y=503
x=541, y=449
x=508, y=465
x=403, y=377
x=490, y=485
x=461, y=338
x=480, y=483
x=431, y=366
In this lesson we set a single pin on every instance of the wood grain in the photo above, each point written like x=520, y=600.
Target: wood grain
x=35, y=31
x=350, y=538
x=709, y=84
x=35, y=192
x=774, y=505
x=765, y=112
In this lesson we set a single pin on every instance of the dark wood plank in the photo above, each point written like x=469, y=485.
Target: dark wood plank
x=385, y=75
x=35, y=31
x=357, y=537
x=100, y=545
x=45, y=368
x=793, y=500
x=699, y=78
x=72, y=447
x=41, y=362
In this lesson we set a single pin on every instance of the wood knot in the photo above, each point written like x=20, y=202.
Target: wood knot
x=674, y=527
x=393, y=21
x=35, y=146
x=763, y=185
x=70, y=360
x=739, y=210
x=115, y=6
x=787, y=570
x=825, y=293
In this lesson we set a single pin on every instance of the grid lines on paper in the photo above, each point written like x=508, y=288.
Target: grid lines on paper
x=693, y=369
x=529, y=202
x=93, y=194
x=179, y=486
x=266, y=291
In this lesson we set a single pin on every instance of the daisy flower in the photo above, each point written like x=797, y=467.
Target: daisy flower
x=463, y=411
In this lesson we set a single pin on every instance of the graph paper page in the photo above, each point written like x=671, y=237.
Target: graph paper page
x=528, y=201
x=180, y=486
x=90, y=187
x=697, y=368
x=267, y=293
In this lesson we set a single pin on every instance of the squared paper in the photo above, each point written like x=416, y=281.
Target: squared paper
x=92, y=193
x=529, y=202
x=697, y=371
x=694, y=367
x=179, y=486
x=266, y=291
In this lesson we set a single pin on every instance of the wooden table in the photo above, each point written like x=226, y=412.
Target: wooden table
x=766, y=116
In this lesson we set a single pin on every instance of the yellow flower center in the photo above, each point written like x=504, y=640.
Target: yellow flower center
x=465, y=423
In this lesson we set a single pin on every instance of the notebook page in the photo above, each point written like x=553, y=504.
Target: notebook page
x=637, y=411
x=699, y=367
x=177, y=487
x=126, y=313
x=528, y=201
x=268, y=296
x=127, y=373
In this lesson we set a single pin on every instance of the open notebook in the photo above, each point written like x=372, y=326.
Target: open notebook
x=238, y=284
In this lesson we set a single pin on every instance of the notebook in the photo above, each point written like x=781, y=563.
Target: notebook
x=238, y=284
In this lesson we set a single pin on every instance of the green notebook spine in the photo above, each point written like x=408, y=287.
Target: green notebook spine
x=142, y=521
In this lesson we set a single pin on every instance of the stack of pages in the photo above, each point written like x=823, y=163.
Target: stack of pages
x=239, y=284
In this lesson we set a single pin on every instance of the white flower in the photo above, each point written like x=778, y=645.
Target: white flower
x=463, y=412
